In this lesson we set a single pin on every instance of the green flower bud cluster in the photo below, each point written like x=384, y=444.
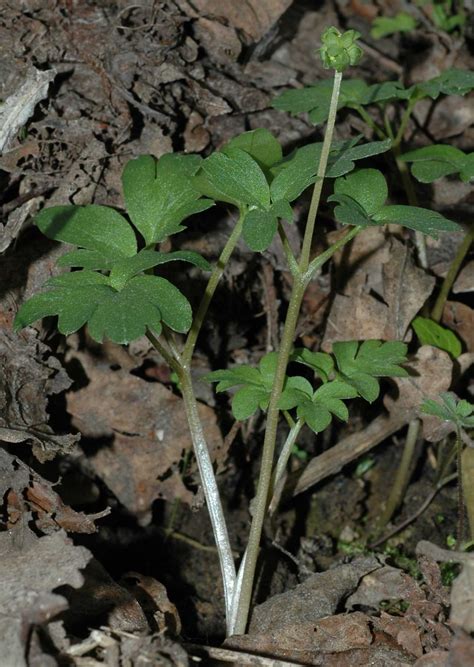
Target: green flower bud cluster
x=340, y=50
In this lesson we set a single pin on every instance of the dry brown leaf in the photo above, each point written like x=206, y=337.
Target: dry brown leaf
x=31, y=569
x=460, y=318
x=144, y=436
x=381, y=297
x=386, y=583
x=405, y=632
x=465, y=280
x=28, y=375
x=253, y=17
x=153, y=599
x=430, y=374
x=318, y=596
x=462, y=599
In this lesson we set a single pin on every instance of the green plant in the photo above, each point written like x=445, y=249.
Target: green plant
x=116, y=293
x=446, y=15
x=459, y=413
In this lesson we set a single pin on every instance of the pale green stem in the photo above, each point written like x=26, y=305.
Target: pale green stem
x=283, y=462
x=408, y=186
x=404, y=122
x=462, y=251
x=211, y=287
x=165, y=353
x=369, y=121
x=290, y=258
x=468, y=487
x=211, y=491
x=460, y=530
x=265, y=478
x=403, y=475
x=318, y=186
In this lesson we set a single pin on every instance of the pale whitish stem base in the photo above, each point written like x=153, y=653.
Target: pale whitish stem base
x=211, y=493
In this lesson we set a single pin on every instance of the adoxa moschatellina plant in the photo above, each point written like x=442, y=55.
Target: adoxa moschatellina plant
x=115, y=290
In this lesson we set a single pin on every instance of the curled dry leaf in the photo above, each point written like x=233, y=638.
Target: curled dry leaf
x=459, y=317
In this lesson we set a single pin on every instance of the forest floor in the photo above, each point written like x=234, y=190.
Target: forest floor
x=107, y=551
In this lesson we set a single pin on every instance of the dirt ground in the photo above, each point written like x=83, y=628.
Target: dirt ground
x=107, y=551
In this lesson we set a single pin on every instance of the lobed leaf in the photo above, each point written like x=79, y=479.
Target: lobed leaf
x=233, y=176
x=383, y=26
x=159, y=195
x=432, y=162
x=420, y=219
x=320, y=362
x=259, y=144
x=99, y=229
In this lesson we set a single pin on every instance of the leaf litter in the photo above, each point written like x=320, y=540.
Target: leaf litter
x=127, y=77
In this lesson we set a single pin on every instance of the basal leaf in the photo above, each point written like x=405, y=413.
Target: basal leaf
x=451, y=409
x=260, y=144
x=159, y=195
x=97, y=228
x=295, y=173
x=432, y=333
x=420, y=219
x=233, y=176
x=467, y=169
x=174, y=307
x=350, y=212
x=296, y=391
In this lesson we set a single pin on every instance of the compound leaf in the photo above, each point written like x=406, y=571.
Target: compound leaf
x=432, y=162
x=247, y=400
x=320, y=362
x=360, y=365
x=367, y=187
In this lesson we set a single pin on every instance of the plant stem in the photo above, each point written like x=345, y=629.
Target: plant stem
x=327, y=254
x=318, y=186
x=370, y=121
x=290, y=258
x=468, y=487
x=402, y=476
x=165, y=353
x=282, y=463
x=411, y=195
x=299, y=285
x=450, y=277
x=211, y=491
x=460, y=530
x=211, y=287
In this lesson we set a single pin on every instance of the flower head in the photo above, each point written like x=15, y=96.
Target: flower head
x=340, y=50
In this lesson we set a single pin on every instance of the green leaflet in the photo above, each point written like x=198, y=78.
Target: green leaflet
x=99, y=229
x=359, y=366
x=159, y=195
x=259, y=144
x=87, y=297
x=451, y=409
x=432, y=162
x=360, y=198
x=432, y=333
x=383, y=26
x=233, y=176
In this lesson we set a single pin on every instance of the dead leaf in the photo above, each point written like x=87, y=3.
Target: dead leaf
x=318, y=596
x=462, y=598
x=29, y=373
x=430, y=374
x=465, y=280
x=405, y=632
x=254, y=17
x=433, y=659
x=144, y=435
x=220, y=41
x=460, y=319
x=381, y=297
x=385, y=583
x=154, y=601
x=31, y=569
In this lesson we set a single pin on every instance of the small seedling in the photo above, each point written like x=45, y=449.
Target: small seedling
x=115, y=292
